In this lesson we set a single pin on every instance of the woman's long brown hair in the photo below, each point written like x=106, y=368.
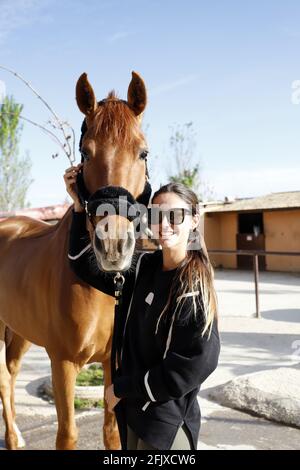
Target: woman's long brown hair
x=195, y=276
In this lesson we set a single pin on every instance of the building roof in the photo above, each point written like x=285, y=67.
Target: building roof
x=42, y=213
x=273, y=201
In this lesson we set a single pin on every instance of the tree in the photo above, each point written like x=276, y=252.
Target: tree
x=183, y=146
x=15, y=177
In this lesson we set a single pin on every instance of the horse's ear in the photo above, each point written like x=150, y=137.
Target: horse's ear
x=137, y=94
x=85, y=96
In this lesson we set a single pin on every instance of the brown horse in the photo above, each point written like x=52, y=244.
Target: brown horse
x=41, y=300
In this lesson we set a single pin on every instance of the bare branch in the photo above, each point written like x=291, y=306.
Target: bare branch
x=70, y=152
x=49, y=133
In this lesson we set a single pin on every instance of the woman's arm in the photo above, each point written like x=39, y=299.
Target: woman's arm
x=190, y=359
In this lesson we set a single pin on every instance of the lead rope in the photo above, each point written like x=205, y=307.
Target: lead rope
x=119, y=281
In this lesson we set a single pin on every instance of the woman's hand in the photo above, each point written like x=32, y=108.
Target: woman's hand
x=111, y=398
x=70, y=177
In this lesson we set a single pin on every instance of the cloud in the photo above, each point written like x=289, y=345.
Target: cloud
x=18, y=13
x=165, y=87
x=119, y=35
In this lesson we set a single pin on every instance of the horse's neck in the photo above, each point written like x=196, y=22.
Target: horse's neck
x=29, y=228
x=58, y=239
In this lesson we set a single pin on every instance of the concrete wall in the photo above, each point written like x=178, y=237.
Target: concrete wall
x=282, y=231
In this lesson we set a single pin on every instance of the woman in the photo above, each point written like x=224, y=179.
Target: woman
x=167, y=338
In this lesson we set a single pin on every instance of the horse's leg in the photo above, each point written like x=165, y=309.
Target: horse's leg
x=111, y=436
x=16, y=349
x=63, y=380
x=11, y=438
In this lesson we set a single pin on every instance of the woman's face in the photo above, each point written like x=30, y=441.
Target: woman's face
x=172, y=235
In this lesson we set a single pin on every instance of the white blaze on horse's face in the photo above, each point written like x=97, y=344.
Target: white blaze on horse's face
x=113, y=242
x=115, y=150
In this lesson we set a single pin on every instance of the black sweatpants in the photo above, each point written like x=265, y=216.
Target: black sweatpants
x=181, y=441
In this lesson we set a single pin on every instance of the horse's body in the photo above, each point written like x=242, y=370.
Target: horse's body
x=43, y=302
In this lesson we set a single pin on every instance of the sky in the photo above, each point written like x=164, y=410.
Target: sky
x=230, y=67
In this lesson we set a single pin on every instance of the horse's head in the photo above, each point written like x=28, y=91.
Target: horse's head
x=114, y=152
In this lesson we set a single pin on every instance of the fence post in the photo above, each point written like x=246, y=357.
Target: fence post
x=255, y=266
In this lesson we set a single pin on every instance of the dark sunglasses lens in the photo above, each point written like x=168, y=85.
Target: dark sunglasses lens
x=176, y=216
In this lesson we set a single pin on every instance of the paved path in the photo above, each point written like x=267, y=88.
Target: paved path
x=224, y=430
x=248, y=345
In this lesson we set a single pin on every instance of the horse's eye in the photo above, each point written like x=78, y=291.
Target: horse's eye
x=84, y=155
x=144, y=154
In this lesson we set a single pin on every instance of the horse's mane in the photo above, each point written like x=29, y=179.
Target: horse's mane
x=115, y=120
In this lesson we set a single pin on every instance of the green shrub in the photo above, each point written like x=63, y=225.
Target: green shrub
x=92, y=376
x=85, y=404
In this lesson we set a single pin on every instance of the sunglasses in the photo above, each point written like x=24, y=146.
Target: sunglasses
x=174, y=216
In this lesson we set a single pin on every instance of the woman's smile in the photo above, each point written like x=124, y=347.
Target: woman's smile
x=166, y=234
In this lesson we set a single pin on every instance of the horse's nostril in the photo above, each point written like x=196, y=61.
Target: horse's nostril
x=129, y=241
x=130, y=235
x=120, y=246
x=124, y=245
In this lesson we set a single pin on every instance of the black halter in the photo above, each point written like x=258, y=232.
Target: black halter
x=110, y=193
